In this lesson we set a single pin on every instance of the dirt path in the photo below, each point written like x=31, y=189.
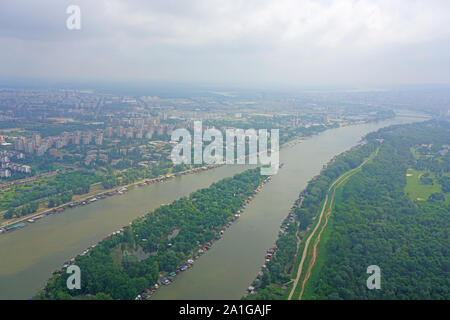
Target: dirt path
x=333, y=188
x=305, y=251
x=316, y=243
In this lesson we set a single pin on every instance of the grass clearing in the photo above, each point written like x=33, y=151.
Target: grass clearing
x=416, y=190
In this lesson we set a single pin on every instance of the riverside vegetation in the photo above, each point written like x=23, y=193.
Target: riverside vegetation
x=381, y=216
x=165, y=238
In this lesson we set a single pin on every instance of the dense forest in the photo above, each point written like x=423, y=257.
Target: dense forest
x=376, y=222
x=168, y=236
x=279, y=268
x=23, y=199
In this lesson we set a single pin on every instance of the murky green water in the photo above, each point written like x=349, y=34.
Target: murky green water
x=28, y=256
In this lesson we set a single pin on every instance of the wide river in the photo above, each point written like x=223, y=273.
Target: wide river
x=28, y=256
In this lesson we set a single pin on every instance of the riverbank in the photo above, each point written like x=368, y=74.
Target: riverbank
x=19, y=223
x=29, y=257
x=311, y=256
x=92, y=197
x=166, y=279
x=288, y=221
x=243, y=250
x=234, y=193
x=312, y=218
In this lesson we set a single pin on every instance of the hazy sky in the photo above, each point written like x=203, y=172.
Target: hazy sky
x=245, y=42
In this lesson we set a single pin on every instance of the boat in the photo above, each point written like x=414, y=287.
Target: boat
x=15, y=226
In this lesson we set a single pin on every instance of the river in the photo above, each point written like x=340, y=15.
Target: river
x=28, y=256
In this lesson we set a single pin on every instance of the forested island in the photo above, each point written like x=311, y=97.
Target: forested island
x=156, y=245
x=393, y=212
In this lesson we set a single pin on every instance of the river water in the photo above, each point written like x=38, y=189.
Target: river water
x=28, y=256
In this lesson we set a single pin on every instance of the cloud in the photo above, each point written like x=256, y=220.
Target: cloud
x=242, y=41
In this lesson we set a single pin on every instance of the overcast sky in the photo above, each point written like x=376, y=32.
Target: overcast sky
x=239, y=42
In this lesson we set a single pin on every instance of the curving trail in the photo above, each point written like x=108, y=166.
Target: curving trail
x=327, y=204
